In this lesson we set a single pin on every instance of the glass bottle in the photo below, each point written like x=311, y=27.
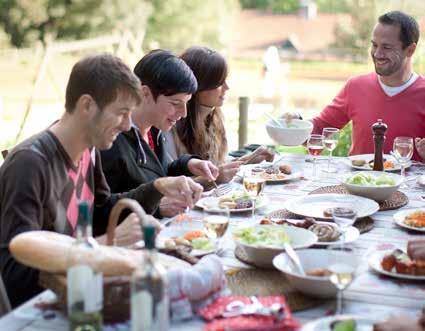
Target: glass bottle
x=84, y=284
x=149, y=294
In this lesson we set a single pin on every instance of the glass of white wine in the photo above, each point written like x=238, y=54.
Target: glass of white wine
x=216, y=222
x=342, y=265
x=403, y=152
x=330, y=140
x=253, y=184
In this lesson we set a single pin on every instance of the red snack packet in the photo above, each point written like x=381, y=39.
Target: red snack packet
x=213, y=313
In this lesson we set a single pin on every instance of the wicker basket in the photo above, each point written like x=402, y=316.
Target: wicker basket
x=116, y=290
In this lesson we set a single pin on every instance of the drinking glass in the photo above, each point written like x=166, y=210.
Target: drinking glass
x=216, y=222
x=315, y=147
x=343, y=263
x=403, y=151
x=330, y=140
x=253, y=184
x=344, y=215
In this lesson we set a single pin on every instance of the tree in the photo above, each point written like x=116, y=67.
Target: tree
x=177, y=24
x=276, y=6
x=26, y=21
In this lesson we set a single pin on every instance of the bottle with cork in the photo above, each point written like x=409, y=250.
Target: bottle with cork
x=379, y=129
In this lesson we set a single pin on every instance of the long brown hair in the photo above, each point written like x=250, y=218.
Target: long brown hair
x=208, y=139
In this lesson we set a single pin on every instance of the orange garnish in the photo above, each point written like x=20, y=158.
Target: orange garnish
x=388, y=164
x=194, y=234
x=183, y=217
x=416, y=219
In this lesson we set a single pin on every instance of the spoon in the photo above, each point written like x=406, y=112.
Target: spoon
x=294, y=258
x=275, y=121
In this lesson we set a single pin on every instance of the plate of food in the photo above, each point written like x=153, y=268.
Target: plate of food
x=327, y=233
x=189, y=239
x=340, y=323
x=273, y=173
x=238, y=201
x=412, y=219
x=321, y=205
x=396, y=263
x=365, y=162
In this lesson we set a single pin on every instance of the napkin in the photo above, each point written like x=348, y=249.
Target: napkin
x=214, y=311
x=194, y=287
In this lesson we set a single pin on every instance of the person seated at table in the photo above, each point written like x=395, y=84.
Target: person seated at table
x=393, y=93
x=202, y=132
x=138, y=155
x=44, y=177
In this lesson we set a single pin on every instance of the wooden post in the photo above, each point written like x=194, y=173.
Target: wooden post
x=243, y=121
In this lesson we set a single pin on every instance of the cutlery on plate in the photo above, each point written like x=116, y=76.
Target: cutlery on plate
x=294, y=258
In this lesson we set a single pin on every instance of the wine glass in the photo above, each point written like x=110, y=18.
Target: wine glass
x=344, y=216
x=253, y=184
x=315, y=147
x=216, y=222
x=403, y=151
x=342, y=265
x=330, y=140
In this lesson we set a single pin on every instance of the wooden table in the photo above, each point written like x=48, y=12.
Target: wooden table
x=369, y=295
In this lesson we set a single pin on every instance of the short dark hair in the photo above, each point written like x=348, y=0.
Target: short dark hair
x=409, y=28
x=102, y=77
x=164, y=73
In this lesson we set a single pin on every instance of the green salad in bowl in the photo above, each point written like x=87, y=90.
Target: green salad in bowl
x=262, y=236
x=365, y=179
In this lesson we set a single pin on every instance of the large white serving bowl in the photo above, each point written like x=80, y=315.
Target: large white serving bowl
x=262, y=256
x=320, y=287
x=377, y=193
x=293, y=135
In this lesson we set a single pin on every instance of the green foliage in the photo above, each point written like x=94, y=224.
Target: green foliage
x=178, y=24
x=26, y=21
x=276, y=6
x=332, y=6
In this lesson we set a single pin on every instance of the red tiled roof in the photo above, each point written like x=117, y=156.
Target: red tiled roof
x=256, y=30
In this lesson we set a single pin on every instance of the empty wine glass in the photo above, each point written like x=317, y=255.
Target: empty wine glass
x=403, y=151
x=342, y=265
x=315, y=147
x=344, y=216
x=330, y=140
x=216, y=222
x=253, y=184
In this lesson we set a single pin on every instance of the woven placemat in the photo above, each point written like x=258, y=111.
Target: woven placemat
x=396, y=200
x=363, y=224
x=262, y=282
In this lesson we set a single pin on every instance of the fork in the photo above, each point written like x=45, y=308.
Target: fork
x=222, y=189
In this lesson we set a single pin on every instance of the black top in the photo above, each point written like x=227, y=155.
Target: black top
x=130, y=162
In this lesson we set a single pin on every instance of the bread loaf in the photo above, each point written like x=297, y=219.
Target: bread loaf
x=48, y=251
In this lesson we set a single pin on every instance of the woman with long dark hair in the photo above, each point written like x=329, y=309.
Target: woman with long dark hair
x=202, y=132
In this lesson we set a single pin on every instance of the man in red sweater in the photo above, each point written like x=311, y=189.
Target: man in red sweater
x=393, y=93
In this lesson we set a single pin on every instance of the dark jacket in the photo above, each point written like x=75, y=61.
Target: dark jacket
x=130, y=162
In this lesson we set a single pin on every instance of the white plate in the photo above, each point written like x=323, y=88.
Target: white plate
x=212, y=202
x=401, y=215
x=369, y=157
x=324, y=324
x=315, y=204
x=180, y=231
x=351, y=235
x=374, y=260
x=293, y=176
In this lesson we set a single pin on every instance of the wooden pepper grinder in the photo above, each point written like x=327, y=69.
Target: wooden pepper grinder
x=379, y=129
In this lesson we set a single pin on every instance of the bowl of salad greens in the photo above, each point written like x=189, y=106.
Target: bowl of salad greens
x=375, y=185
x=261, y=243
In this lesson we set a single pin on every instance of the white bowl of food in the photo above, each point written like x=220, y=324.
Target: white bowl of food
x=315, y=262
x=375, y=185
x=293, y=134
x=261, y=243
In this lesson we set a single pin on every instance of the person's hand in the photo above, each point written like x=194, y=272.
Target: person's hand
x=201, y=168
x=130, y=230
x=182, y=189
x=262, y=153
x=420, y=147
x=399, y=323
x=169, y=207
x=228, y=171
x=288, y=116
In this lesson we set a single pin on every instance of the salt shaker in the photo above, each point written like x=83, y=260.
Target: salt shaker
x=379, y=129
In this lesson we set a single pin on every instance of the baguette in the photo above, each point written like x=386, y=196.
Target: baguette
x=48, y=251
